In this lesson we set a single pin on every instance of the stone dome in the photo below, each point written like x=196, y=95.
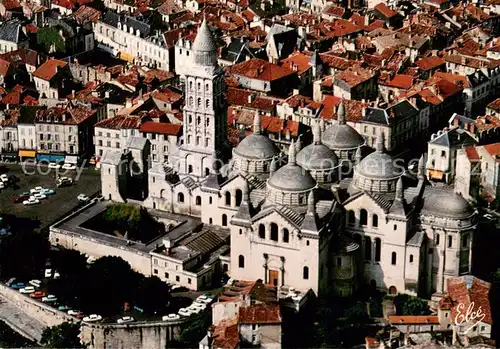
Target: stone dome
x=317, y=156
x=292, y=177
x=257, y=146
x=446, y=203
x=341, y=136
x=204, y=47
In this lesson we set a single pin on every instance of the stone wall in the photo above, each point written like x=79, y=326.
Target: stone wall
x=153, y=335
x=42, y=312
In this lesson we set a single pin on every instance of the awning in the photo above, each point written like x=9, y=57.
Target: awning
x=434, y=174
x=71, y=159
x=27, y=153
x=126, y=57
x=50, y=157
x=8, y=154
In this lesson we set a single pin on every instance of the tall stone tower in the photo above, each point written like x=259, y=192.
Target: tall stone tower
x=205, y=110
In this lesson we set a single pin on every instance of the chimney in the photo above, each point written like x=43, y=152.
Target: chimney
x=367, y=20
x=128, y=103
x=251, y=98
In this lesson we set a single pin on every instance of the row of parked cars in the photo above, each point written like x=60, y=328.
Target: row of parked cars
x=6, y=180
x=34, y=196
x=200, y=304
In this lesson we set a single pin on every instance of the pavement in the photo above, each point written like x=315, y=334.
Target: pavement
x=52, y=208
x=20, y=322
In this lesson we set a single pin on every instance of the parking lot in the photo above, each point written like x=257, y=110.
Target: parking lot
x=54, y=206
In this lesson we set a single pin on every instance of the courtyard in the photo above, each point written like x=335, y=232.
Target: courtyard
x=54, y=206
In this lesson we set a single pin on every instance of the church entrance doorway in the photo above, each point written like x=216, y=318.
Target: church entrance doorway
x=273, y=277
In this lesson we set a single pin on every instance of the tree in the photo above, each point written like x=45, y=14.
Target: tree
x=356, y=314
x=409, y=305
x=193, y=332
x=64, y=335
x=152, y=295
x=49, y=39
x=68, y=262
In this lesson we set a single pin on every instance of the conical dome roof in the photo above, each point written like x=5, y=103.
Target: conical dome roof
x=204, y=47
x=342, y=136
x=256, y=145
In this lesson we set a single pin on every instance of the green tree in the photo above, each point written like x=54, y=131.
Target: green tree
x=49, y=39
x=193, y=333
x=356, y=314
x=410, y=305
x=64, y=335
x=152, y=295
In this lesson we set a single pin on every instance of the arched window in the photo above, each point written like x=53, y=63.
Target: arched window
x=437, y=239
x=207, y=171
x=180, y=197
x=191, y=103
x=363, y=217
x=198, y=200
x=228, y=198
x=465, y=240
x=199, y=85
x=378, y=249
x=207, y=87
x=207, y=103
x=198, y=102
x=393, y=258
x=190, y=85
x=305, y=273
x=411, y=258
x=210, y=221
x=351, y=218
x=210, y=200
x=198, y=120
x=368, y=248
x=450, y=241
x=241, y=261
x=239, y=197
x=224, y=220
x=286, y=235
x=190, y=169
x=274, y=232
x=262, y=231
x=375, y=221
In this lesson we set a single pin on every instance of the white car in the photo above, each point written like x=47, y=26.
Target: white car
x=92, y=318
x=57, y=275
x=185, y=312
x=204, y=298
x=201, y=306
x=73, y=312
x=194, y=310
x=125, y=319
x=69, y=167
x=83, y=197
x=35, y=283
x=4, y=178
x=170, y=317
x=39, y=196
x=54, y=165
x=49, y=299
x=2, y=185
x=31, y=201
x=36, y=190
x=48, y=273
x=488, y=216
x=27, y=290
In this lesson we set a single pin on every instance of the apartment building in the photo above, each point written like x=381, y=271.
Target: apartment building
x=163, y=137
x=9, y=141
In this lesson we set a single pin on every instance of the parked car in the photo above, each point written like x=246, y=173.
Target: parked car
x=185, y=312
x=4, y=178
x=92, y=318
x=69, y=167
x=54, y=165
x=48, y=191
x=202, y=306
x=170, y=317
x=57, y=275
x=39, y=196
x=83, y=198
x=63, y=308
x=64, y=182
x=73, y=312
x=48, y=273
x=49, y=299
x=26, y=193
x=38, y=294
x=10, y=282
x=27, y=290
x=31, y=201
x=20, y=199
x=194, y=310
x=18, y=285
x=205, y=298
x=125, y=319
x=35, y=283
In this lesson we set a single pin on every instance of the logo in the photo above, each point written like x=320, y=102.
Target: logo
x=470, y=316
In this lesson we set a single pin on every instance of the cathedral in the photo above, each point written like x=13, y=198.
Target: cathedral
x=319, y=217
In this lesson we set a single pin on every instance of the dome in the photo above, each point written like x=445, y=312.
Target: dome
x=256, y=146
x=342, y=136
x=291, y=177
x=317, y=156
x=379, y=165
x=446, y=203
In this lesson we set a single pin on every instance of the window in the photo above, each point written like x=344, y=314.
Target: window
x=177, y=278
x=465, y=241
x=207, y=103
x=411, y=258
x=378, y=249
x=339, y=261
x=190, y=169
x=351, y=217
x=210, y=200
x=307, y=242
x=198, y=120
x=189, y=281
x=375, y=221
x=368, y=248
x=166, y=276
x=198, y=200
x=395, y=227
x=155, y=271
x=180, y=197
x=437, y=239
x=210, y=221
x=363, y=217
x=198, y=102
x=305, y=273
x=224, y=220
x=443, y=153
x=393, y=258
x=262, y=231
x=239, y=196
x=241, y=231
x=450, y=241
x=207, y=171
x=228, y=198
x=274, y=232
x=286, y=235
x=241, y=261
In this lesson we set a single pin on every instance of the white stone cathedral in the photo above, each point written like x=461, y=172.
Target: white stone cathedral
x=293, y=221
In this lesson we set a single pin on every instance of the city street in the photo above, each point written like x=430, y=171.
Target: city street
x=52, y=208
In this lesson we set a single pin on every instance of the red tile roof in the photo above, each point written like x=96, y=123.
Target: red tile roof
x=260, y=69
x=49, y=69
x=431, y=62
x=495, y=105
x=275, y=125
x=243, y=98
x=167, y=95
x=298, y=62
x=492, y=149
x=260, y=314
x=413, y=319
x=225, y=334
x=161, y=127
x=401, y=81
x=355, y=76
x=471, y=153
x=86, y=14
x=120, y=122
x=21, y=56
x=11, y=118
x=467, y=290
x=385, y=10
x=11, y=4
x=4, y=67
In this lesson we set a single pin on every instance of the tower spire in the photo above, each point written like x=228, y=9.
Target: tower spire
x=274, y=166
x=400, y=190
x=256, y=124
x=292, y=153
x=317, y=133
x=311, y=207
x=341, y=113
x=380, y=143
